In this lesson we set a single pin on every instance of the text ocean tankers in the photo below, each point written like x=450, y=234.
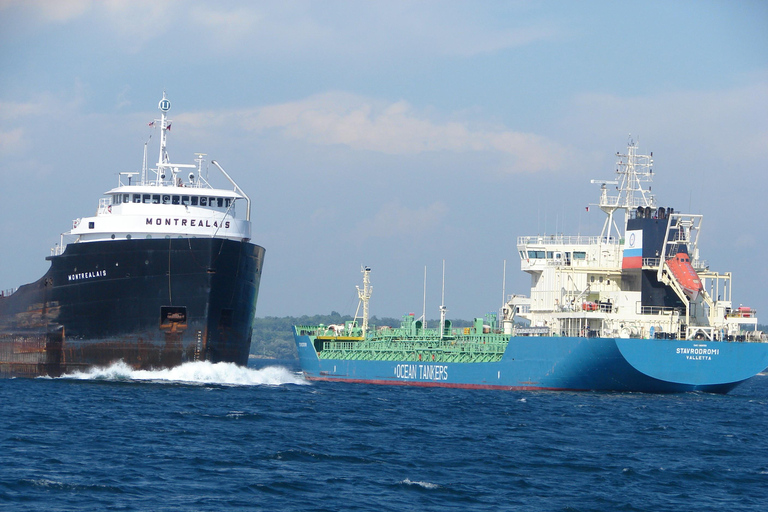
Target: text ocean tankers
x=165, y=272
x=632, y=309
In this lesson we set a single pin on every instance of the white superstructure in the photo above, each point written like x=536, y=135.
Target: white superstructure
x=610, y=286
x=168, y=201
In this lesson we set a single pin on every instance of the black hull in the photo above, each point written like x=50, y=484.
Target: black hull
x=151, y=303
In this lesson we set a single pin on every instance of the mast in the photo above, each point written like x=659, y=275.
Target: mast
x=144, y=166
x=365, y=296
x=424, y=303
x=164, y=106
x=633, y=171
x=443, y=309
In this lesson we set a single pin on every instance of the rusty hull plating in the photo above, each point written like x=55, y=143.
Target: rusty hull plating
x=150, y=303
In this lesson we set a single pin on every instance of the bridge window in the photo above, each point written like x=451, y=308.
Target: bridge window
x=175, y=200
x=539, y=255
x=194, y=200
x=155, y=198
x=136, y=198
x=579, y=255
x=220, y=202
x=146, y=199
x=203, y=201
x=228, y=202
x=166, y=199
x=185, y=200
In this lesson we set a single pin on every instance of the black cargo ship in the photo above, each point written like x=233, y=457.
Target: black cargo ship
x=164, y=273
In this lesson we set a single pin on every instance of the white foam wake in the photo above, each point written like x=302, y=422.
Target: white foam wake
x=426, y=485
x=198, y=372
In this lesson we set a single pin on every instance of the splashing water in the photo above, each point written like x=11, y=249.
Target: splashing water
x=425, y=485
x=198, y=372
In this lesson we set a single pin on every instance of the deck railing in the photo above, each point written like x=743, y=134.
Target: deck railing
x=568, y=240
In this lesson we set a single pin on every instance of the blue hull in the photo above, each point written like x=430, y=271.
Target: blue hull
x=561, y=363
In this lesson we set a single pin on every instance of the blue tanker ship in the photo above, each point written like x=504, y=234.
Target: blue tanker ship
x=632, y=309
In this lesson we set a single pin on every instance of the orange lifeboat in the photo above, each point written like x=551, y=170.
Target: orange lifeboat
x=681, y=268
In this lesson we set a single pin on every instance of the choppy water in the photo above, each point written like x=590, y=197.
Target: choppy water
x=208, y=437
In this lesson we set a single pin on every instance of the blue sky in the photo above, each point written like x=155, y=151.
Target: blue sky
x=392, y=134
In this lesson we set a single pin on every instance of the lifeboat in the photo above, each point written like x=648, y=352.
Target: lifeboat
x=686, y=276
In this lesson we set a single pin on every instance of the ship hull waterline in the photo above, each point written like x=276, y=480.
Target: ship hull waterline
x=562, y=363
x=152, y=303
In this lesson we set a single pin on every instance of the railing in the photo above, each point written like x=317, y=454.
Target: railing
x=567, y=240
x=104, y=204
x=462, y=350
x=631, y=202
x=660, y=310
x=652, y=262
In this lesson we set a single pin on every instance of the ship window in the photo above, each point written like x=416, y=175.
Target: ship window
x=203, y=201
x=550, y=255
x=90, y=225
x=194, y=200
x=126, y=198
x=146, y=199
x=166, y=199
x=228, y=202
x=522, y=254
x=220, y=201
x=579, y=255
x=175, y=200
x=185, y=200
x=136, y=198
x=539, y=255
x=211, y=202
x=155, y=198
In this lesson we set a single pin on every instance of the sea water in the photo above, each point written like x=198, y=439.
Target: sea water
x=205, y=437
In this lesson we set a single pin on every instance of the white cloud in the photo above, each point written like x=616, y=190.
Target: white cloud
x=14, y=110
x=51, y=11
x=394, y=219
x=391, y=128
x=295, y=29
x=13, y=141
x=723, y=123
